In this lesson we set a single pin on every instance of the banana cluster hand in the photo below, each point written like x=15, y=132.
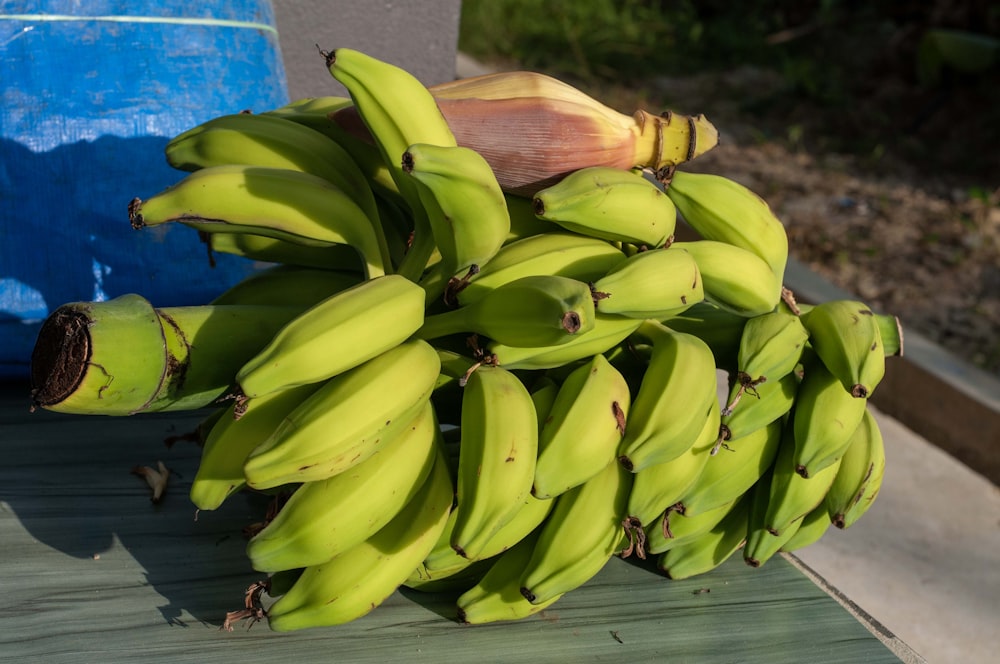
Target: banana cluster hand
x=476, y=360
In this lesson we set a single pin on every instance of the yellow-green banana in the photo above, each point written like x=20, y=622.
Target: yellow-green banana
x=559, y=253
x=674, y=528
x=531, y=311
x=846, y=336
x=580, y=535
x=275, y=202
x=609, y=203
x=496, y=462
x=607, y=333
x=337, y=334
x=811, y=529
x=733, y=277
x=719, y=208
x=340, y=257
x=230, y=441
x=702, y=554
x=352, y=584
x=766, y=403
x=771, y=345
x=348, y=419
x=861, y=469
x=825, y=417
x=720, y=328
x=175, y=358
x=497, y=596
x=792, y=495
x=677, y=394
x=761, y=543
x=325, y=518
x=658, y=283
x=582, y=431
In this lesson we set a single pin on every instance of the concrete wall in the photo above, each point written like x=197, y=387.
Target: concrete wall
x=419, y=35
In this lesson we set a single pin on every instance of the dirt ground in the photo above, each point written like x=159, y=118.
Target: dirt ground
x=911, y=226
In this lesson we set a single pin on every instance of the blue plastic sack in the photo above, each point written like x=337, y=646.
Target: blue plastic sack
x=92, y=91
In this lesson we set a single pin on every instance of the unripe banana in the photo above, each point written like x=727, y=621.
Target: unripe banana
x=845, y=335
x=657, y=487
x=581, y=434
x=704, y=553
x=347, y=419
x=230, y=441
x=466, y=208
x=720, y=328
x=811, y=529
x=178, y=358
x=288, y=285
x=767, y=402
x=338, y=257
x=611, y=204
x=678, y=393
x=398, y=111
x=608, y=332
x=733, y=277
x=659, y=284
x=497, y=596
x=558, y=253
x=274, y=202
x=524, y=223
x=325, y=518
x=496, y=463
x=862, y=464
x=730, y=473
x=792, y=495
x=674, y=528
x=721, y=209
x=355, y=582
x=761, y=543
x=771, y=345
x=580, y=535
x=825, y=417
x=341, y=332
x=531, y=311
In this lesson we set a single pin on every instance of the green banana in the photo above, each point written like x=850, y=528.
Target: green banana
x=352, y=584
x=398, y=111
x=658, y=283
x=658, y=487
x=673, y=528
x=582, y=431
x=719, y=208
x=846, y=336
x=608, y=332
x=497, y=596
x=719, y=328
x=338, y=257
x=274, y=202
x=811, y=529
x=609, y=203
x=347, y=419
x=496, y=463
x=730, y=473
x=861, y=469
x=824, y=418
x=793, y=495
x=337, y=334
x=768, y=402
x=677, y=394
x=325, y=518
x=178, y=358
x=559, y=254
x=761, y=543
x=230, y=441
x=288, y=285
x=530, y=311
x=464, y=203
x=580, y=535
x=524, y=223
x=733, y=277
x=702, y=554
x=771, y=346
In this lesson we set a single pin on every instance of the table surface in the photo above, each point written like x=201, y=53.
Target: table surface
x=94, y=572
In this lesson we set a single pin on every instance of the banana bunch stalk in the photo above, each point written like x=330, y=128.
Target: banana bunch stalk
x=474, y=359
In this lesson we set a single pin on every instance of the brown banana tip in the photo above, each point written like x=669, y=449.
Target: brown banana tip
x=461, y=617
x=527, y=594
x=538, y=206
x=329, y=56
x=753, y=562
x=459, y=550
x=839, y=521
x=626, y=463
x=859, y=391
x=135, y=213
x=571, y=322
x=407, y=162
x=802, y=470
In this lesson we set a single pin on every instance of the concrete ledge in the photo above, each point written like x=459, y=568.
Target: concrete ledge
x=951, y=403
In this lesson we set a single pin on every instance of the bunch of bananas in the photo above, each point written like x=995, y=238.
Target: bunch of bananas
x=478, y=360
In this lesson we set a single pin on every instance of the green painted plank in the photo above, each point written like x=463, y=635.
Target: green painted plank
x=93, y=572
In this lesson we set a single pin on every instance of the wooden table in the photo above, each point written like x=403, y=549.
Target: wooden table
x=94, y=572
